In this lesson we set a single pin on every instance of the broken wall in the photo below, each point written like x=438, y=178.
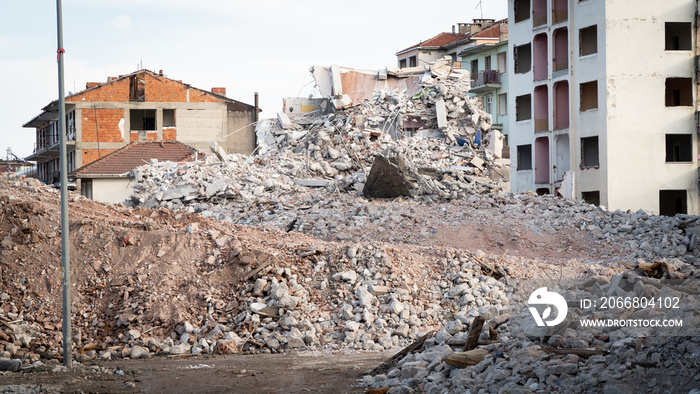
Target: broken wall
x=240, y=132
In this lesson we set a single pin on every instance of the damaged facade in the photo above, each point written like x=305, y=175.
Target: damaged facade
x=590, y=118
x=141, y=106
x=485, y=56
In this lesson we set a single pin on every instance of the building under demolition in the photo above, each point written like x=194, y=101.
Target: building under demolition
x=141, y=106
x=603, y=103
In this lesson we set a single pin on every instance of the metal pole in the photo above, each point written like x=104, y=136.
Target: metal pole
x=65, y=260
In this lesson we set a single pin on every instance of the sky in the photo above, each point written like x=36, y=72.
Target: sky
x=265, y=46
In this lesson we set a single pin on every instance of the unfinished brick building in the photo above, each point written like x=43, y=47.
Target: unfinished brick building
x=141, y=106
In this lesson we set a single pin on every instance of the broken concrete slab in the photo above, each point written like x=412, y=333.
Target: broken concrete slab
x=219, y=152
x=441, y=114
x=342, y=101
x=386, y=180
x=312, y=182
x=284, y=120
x=336, y=81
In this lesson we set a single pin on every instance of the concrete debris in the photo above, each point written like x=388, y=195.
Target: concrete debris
x=360, y=294
x=284, y=251
x=218, y=151
x=386, y=179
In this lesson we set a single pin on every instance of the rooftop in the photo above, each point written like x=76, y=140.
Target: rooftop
x=121, y=162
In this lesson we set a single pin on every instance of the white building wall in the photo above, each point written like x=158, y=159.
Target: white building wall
x=112, y=190
x=638, y=121
x=521, y=133
x=591, y=122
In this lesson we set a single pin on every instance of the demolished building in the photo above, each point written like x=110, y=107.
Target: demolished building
x=422, y=123
x=141, y=106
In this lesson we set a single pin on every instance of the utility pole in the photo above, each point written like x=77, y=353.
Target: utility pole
x=65, y=259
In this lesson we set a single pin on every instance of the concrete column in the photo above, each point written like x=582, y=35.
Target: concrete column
x=159, y=123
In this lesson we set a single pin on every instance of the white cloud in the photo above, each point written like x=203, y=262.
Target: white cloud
x=122, y=22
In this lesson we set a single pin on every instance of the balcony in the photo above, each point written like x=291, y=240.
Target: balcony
x=541, y=124
x=559, y=66
x=560, y=15
x=486, y=81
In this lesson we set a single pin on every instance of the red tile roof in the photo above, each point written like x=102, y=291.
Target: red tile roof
x=439, y=40
x=136, y=154
x=493, y=31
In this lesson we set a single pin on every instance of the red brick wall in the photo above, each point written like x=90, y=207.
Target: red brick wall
x=113, y=91
x=90, y=155
x=157, y=90
x=167, y=90
x=134, y=137
x=169, y=134
x=107, y=125
x=151, y=136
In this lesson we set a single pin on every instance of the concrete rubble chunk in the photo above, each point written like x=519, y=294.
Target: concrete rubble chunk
x=386, y=180
x=284, y=121
x=312, y=182
x=218, y=151
x=441, y=114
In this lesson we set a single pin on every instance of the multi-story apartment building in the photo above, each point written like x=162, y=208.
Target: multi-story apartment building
x=603, y=100
x=141, y=106
x=485, y=56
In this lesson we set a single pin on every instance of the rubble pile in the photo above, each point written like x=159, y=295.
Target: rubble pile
x=174, y=280
x=161, y=282
x=237, y=192
x=514, y=357
x=336, y=151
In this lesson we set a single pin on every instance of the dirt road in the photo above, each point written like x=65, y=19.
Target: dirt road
x=279, y=373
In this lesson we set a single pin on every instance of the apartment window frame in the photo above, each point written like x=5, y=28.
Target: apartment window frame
x=590, y=152
x=521, y=10
x=588, y=41
x=402, y=63
x=669, y=201
x=522, y=58
x=503, y=104
x=678, y=42
x=591, y=197
x=413, y=61
x=524, y=160
x=679, y=92
x=521, y=102
x=488, y=104
x=501, y=58
x=148, y=123
x=588, y=96
x=679, y=148
x=169, y=118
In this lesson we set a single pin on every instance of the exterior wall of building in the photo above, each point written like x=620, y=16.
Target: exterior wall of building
x=112, y=190
x=638, y=118
x=423, y=56
x=240, y=136
x=499, y=114
x=521, y=132
x=589, y=122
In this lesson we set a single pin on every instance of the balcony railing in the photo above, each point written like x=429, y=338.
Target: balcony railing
x=486, y=79
x=559, y=66
x=559, y=15
x=539, y=21
x=541, y=125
